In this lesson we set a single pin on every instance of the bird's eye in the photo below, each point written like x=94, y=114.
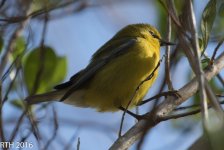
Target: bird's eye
x=153, y=34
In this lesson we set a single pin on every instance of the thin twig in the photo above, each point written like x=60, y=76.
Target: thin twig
x=19, y=122
x=213, y=99
x=4, y=60
x=41, y=57
x=164, y=108
x=186, y=107
x=205, y=89
x=193, y=106
x=176, y=116
x=55, y=130
x=173, y=65
x=198, y=70
x=38, y=75
x=69, y=145
x=37, y=13
x=11, y=85
x=167, y=59
x=220, y=79
x=136, y=90
x=137, y=111
x=78, y=144
x=2, y=3
x=11, y=43
x=215, y=51
x=23, y=139
x=158, y=96
x=219, y=95
x=171, y=14
x=8, y=71
x=2, y=135
x=146, y=127
x=124, y=112
x=16, y=62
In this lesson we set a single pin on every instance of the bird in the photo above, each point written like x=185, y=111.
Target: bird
x=114, y=72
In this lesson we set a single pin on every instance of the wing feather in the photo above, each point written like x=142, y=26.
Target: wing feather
x=100, y=59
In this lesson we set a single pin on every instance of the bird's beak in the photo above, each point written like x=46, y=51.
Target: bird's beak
x=164, y=43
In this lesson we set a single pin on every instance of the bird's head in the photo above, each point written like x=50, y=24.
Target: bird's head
x=145, y=31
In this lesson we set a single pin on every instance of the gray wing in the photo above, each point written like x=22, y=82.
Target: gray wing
x=70, y=82
x=82, y=77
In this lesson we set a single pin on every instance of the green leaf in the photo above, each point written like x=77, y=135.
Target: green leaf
x=60, y=72
x=20, y=46
x=179, y=6
x=1, y=44
x=205, y=62
x=40, y=4
x=53, y=69
x=161, y=19
x=200, y=41
x=208, y=17
x=18, y=104
x=40, y=66
x=221, y=10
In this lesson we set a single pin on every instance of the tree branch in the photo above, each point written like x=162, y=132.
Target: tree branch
x=167, y=106
x=167, y=60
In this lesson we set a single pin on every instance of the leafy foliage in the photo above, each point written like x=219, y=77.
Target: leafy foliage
x=1, y=44
x=207, y=21
x=50, y=68
x=38, y=4
x=221, y=10
x=18, y=104
x=20, y=46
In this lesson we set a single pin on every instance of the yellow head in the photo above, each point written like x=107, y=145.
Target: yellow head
x=145, y=31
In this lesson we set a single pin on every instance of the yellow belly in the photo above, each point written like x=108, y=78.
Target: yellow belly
x=115, y=83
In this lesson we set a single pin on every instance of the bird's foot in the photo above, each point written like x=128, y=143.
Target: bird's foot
x=165, y=94
x=136, y=116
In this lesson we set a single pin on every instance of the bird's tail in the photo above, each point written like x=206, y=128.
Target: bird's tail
x=46, y=97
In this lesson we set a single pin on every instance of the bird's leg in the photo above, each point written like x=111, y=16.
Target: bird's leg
x=165, y=94
x=136, y=116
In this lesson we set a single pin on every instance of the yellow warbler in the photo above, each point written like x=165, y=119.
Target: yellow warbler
x=114, y=72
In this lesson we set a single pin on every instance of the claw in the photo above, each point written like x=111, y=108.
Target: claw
x=173, y=93
x=165, y=94
x=136, y=116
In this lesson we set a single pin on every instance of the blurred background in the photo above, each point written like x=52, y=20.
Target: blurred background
x=72, y=31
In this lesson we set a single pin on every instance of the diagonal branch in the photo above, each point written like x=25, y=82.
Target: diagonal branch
x=167, y=106
x=198, y=71
x=167, y=60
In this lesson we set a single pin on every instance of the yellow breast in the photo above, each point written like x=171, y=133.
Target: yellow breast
x=115, y=83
